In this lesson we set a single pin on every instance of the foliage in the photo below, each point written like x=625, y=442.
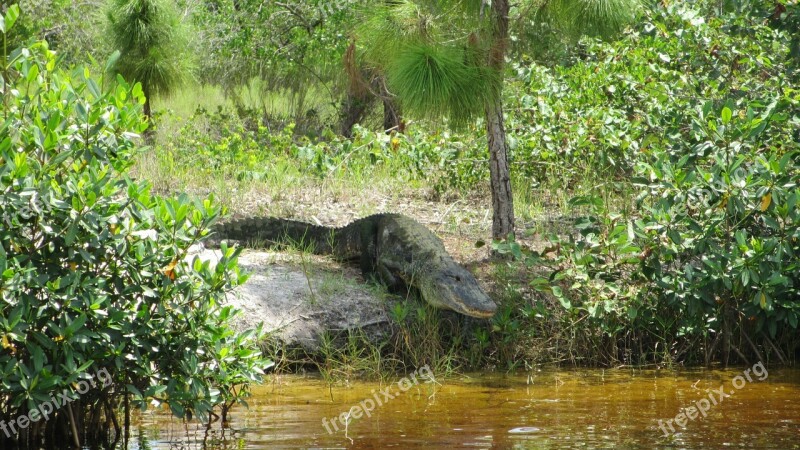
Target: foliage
x=452, y=88
x=590, y=17
x=224, y=144
x=70, y=28
x=25, y=27
x=713, y=255
x=95, y=274
x=286, y=46
x=615, y=100
x=725, y=221
x=437, y=55
x=436, y=70
x=705, y=263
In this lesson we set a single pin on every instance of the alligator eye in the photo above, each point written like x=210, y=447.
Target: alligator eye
x=458, y=278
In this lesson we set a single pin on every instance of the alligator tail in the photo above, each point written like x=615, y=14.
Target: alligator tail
x=271, y=231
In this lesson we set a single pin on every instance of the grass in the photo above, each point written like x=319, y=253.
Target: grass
x=312, y=108
x=184, y=102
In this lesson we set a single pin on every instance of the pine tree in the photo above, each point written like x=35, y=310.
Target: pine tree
x=447, y=58
x=152, y=44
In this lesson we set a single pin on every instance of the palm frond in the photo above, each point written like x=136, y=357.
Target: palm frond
x=433, y=81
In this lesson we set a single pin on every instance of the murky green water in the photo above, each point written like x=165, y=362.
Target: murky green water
x=548, y=409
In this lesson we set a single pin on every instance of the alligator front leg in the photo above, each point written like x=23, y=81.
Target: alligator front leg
x=368, y=259
x=367, y=263
x=389, y=274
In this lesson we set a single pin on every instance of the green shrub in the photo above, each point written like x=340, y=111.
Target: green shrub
x=711, y=257
x=695, y=112
x=94, y=268
x=721, y=236
x=596, y=115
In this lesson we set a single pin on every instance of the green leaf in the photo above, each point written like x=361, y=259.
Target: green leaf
x=785, y=159
x=32, y=73
x=112, y=61
x=75, y=325
x=11, y=16
x=7, y=20
x=94, y=88
x=559, y=294
x=85, y=366
x=757, y=130
x=72, y=231
x=58, y=159
x=675, y=236
x=777, y=279
x=740, y=238
x=726, y=115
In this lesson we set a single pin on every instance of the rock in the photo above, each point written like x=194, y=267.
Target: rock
x=297, y=309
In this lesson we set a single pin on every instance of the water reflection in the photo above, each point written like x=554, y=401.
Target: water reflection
x=543, y=410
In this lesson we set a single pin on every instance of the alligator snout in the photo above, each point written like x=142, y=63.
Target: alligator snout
x=457, y=289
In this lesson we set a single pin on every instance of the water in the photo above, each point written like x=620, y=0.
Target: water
x=582, y=409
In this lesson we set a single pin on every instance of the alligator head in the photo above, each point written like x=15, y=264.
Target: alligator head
x=408, y=250
x=451, y=286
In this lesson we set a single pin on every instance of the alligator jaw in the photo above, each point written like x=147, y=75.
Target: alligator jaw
x=480, y=313
x=477, y=305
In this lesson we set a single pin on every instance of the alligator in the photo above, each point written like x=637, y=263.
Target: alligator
x=399, y=250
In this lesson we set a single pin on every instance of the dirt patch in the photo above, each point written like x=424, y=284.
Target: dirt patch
x=300, y=299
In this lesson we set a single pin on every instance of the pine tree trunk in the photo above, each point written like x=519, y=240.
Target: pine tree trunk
x=148, y=113
x=146, y=110
x=502, y=199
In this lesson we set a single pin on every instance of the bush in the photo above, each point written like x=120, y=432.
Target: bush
x=615, y=100
x=695, y=113
x=94, y=270
x=712, y=256
x=721, y=236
